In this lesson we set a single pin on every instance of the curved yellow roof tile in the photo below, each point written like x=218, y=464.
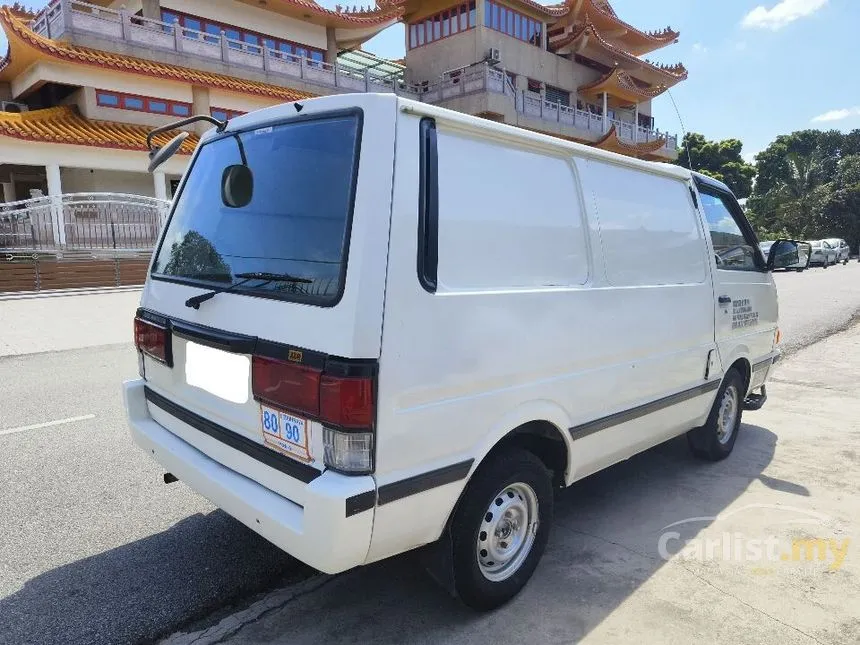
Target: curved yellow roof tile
x=64, y=125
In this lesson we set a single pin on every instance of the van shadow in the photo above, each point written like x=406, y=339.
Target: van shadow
x=604, y=546
x=147, y=588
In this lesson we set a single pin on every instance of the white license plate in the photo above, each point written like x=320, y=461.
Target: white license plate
x=220, y=373
x=285, y=432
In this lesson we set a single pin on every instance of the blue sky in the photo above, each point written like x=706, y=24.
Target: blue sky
x=758, y=68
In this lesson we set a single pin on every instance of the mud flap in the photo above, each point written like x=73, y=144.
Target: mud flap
x=438, y=560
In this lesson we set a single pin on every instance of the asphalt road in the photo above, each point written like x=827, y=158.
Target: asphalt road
x=817, y=302
x=94, y=548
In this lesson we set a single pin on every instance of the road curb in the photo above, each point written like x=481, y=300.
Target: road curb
x=55, y=293
x=234, y=622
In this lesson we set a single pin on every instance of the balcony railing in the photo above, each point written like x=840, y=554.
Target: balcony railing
x=483, y=78
x=74, y=16
x=82, y=221
x=68, y=16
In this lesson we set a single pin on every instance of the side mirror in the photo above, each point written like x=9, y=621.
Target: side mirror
x=237, y=186
x=158, y=156
x=786, y=254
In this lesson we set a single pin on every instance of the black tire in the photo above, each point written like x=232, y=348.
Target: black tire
x=507, y=468
x=799, y=270
x=706, y=442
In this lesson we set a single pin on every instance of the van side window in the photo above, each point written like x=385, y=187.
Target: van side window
x=732, y=248
x=509, y=217
x=650, y=234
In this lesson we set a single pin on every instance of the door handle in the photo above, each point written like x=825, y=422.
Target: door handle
x=724, y=300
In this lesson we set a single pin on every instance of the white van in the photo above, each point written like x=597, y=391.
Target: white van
x=372, y=325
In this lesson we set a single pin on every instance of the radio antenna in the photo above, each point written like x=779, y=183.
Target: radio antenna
x=683, y=129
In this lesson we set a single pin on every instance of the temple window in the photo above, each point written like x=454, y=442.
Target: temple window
x=446, y=23
x=223, y=114
x=197, y=28
x=513, y=23
x=136, y=103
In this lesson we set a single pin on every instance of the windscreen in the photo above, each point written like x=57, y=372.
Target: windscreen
x=296, y=224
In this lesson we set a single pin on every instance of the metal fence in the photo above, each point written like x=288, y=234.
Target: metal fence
x=82, y=221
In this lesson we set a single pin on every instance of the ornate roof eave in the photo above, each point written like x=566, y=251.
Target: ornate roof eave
x=26, y=47
x=621, y=88
x=64, y=125
x=645, y=150
x=573, y=40
x=602, y=15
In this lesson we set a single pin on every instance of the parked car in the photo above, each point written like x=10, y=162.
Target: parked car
x=843, y=251
x=304, y=366
x=822, y=254
x=803, y=250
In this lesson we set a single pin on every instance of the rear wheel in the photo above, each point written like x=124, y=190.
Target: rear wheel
x=500, y=528
x=716, y=439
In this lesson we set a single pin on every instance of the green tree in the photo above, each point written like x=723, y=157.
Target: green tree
x=719, y=159
x=808, y=186
x=195, y=256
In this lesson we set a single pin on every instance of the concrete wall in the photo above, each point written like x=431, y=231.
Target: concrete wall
x=533, y=62
x=84, y=76
x=241, y=102
x=428, y=62
x=84, y=180
x=252, y=18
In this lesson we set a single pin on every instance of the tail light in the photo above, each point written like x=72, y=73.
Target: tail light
x=343, y=404
x=152, y=340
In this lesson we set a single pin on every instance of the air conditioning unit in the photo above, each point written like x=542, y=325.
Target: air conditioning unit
x=494, y=56
x=12, y=106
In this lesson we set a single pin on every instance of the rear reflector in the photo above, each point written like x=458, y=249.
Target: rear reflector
x=286, y=385
x=152, y=340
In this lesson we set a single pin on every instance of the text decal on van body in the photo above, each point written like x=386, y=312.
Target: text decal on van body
x=743, y=314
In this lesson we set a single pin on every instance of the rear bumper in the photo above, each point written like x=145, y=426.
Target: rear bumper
x=326, y=532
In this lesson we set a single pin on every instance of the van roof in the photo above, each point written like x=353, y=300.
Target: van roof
x=477, y=124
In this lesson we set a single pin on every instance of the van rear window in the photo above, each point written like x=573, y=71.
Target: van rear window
x=296, y=224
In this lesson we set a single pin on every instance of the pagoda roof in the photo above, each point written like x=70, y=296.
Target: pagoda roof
x=64, y=124
x=646, y=150
x=585, y=36
x=601, y=14
x=622, y=89
x=27, y=47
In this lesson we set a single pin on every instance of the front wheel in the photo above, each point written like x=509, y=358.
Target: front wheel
x=500, y=528
x=716, y=439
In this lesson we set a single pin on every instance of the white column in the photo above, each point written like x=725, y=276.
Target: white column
x=55, y=192
x=636, y=124
x=605, y=113
x=8, y=191
x=160, y=180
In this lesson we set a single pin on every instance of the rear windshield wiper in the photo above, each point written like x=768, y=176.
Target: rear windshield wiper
x=194, y=302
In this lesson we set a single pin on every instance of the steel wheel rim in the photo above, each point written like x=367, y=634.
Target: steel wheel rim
x=727, y=416
x=507, y=532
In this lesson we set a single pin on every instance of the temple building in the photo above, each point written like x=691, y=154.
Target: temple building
x=82, y=82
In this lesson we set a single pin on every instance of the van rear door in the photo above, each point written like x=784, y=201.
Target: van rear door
x=250, y=371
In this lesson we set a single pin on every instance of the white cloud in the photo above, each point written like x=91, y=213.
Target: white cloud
x=837, y=115
x=781, y=14
x=700, y=48
x=749, y=157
